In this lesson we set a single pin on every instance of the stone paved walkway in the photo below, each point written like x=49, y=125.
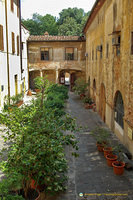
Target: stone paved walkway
x=89, y=173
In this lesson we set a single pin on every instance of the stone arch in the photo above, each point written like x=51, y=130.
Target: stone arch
x=102, y=102
x=119, y=108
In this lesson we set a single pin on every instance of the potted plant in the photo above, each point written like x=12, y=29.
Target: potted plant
x=101, y=135
x=110, y=159
x=80, y=87
x=88, y=102
x=118, y=165
x=107, y=151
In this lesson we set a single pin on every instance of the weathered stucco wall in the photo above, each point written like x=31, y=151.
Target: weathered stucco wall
x=115, y=71
x=57, y=62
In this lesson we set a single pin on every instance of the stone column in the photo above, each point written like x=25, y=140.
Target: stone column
x=57, y=74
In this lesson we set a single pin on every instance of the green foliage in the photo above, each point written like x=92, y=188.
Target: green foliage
x=37, y=137
x=69, y=27
x=80, y=86
x=38, y=25
x=6, y=188
x=88, y=100
x=70, y=22
x=12, y=101
x=101, y=135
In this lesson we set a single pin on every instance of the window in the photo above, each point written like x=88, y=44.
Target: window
x=17, y=45
x=118, y=45
x=12, y=6
x=119, y=109
x=107, y=50
x=13, y=43
x=96, y=54
x=132, y=43
x=46, y=53
x=92, y=54
x=101, y=51
x=1, y=38
x=71, y=54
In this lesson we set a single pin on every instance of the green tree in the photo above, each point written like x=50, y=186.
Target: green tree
x=75, y=13
x=40, y=24
x=69, y=27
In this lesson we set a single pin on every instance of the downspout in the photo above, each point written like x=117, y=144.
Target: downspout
x=21, y=66
x=8, y=72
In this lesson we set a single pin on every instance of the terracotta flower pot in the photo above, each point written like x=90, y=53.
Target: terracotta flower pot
x=20, y=103
x=29, y=93
x=37, y=90
x=118, y=167
x=35, y=186
x=107, y=150
x=82, y=96
x=110, y=159
x=86, y=105
x=100, y=147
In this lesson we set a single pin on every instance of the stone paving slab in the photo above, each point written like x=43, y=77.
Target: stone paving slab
x=92, y=175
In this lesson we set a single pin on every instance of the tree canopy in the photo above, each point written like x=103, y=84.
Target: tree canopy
x=70, y=22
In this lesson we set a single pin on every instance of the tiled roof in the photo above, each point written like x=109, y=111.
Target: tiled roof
x=54, y=38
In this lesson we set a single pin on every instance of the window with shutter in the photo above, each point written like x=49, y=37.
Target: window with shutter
x=1, y=38
x=13, y=43
x=71, y=53
x=12, y=6
x=44, y=53
x=17, y=45
x=75, y=54
x=132, y=43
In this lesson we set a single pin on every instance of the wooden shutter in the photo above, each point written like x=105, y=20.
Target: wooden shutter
x=75, y=54
x=12, y=6
x=1, y=38
x=50, y=54
x=13, y=43
x=17, y=8
x=17, y=45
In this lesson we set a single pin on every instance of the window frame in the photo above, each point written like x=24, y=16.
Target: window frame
x=119, y=114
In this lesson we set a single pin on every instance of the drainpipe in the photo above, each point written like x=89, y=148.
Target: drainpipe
x=8, y=72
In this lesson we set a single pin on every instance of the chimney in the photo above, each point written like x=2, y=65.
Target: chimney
x=46, y=33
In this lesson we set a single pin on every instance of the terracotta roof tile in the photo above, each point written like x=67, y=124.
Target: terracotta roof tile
x=54, y=38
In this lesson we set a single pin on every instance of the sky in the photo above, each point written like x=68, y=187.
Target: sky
x=53, y=7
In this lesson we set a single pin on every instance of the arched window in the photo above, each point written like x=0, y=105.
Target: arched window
x=119, y=109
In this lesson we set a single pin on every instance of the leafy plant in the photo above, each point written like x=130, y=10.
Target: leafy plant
x=80, y=86
x=37, y=138
x=88, y=100
x=101, y=135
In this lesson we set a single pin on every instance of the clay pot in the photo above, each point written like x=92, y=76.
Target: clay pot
x=118, y=167
x=107, y=150
x=110, y=159
x=35, y=186
x=20, y=103
x=37, y=90
x=29, y=93
x=100, y=147
x=82, y=96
